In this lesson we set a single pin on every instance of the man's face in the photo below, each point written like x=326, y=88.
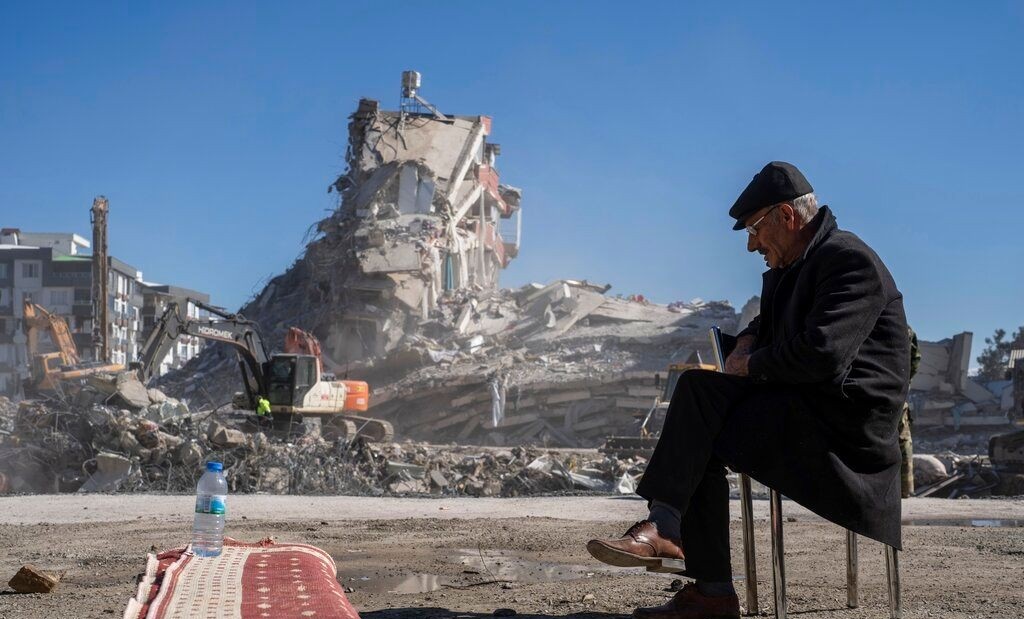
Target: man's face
x=773, y=239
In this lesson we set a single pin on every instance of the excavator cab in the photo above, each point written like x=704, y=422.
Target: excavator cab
x=45, y=369
x=290, y=378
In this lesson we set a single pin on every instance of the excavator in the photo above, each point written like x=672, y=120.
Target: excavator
x=293, y=383
x=50, y=372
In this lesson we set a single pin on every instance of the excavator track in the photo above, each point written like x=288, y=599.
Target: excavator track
x=351, y=427
x=629, y=446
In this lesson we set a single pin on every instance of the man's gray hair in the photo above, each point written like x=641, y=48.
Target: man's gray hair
x=806, y=207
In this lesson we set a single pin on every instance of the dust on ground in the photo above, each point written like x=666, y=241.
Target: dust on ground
x=446, y=566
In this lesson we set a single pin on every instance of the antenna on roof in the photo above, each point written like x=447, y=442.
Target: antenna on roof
x=411, y=102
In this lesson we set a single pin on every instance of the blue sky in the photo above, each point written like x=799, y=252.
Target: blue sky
x=215, y=128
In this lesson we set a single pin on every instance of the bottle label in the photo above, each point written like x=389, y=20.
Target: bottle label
x=211, y=504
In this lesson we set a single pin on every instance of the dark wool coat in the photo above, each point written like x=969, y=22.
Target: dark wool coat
x=832, y=326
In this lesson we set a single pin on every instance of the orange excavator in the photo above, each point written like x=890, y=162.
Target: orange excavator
x=47, y=371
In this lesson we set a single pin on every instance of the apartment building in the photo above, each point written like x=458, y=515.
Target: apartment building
x=155, y=299
x=54, y=270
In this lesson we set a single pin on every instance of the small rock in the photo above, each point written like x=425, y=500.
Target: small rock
x=676, y=585
x=156, y=396
x=31, y=579
x=438, y=479
x=928, y=470
x=589, y=599
x=228, y=438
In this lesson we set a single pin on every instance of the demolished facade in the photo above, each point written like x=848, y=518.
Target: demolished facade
x=401, y=286
x=944, y=394
x=422, y=214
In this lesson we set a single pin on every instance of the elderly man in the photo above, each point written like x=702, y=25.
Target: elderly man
x=809, y=402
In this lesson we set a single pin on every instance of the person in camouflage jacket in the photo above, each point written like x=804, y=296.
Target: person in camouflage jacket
x=906, y=442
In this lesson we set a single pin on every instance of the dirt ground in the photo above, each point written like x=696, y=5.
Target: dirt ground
x=466, y=558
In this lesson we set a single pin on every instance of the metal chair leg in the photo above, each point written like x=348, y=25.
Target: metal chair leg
x=892, y=571
x=851, y=569
x=778, y=554
x=749, y=560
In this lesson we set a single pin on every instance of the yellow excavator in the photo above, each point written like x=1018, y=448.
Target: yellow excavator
x=48, y=372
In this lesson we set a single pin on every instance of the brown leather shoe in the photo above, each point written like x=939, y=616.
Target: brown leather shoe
x=641, y=546
x=690, y=603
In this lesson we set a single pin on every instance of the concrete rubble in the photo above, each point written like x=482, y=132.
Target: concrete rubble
x=943, y=394
x=46, y=448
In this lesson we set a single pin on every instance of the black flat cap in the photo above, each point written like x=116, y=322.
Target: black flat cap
x=776, y=182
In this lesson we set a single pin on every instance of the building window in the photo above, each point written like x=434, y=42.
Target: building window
x=83, y=296
x=30, y=270
x=60, y=297
x=3, y=270
x=5, y=297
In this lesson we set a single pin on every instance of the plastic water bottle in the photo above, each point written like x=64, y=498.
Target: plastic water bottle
x=211, y=507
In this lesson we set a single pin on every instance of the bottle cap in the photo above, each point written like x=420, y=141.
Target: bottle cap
x=214, y=466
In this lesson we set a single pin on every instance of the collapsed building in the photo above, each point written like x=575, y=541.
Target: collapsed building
x=401, y=286
x=943, y=393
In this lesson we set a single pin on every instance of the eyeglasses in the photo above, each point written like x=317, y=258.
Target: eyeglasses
x=752, y=228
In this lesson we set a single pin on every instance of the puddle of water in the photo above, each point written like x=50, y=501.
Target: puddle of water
x=410, y=583
x=964, y=522
x=501, y=565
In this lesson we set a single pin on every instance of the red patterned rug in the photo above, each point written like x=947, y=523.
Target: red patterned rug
x=247, y=581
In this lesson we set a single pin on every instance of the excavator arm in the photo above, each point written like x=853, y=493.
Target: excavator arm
x=232, y=329
x=37, y=317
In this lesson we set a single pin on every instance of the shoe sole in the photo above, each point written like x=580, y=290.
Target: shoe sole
x=619, y=558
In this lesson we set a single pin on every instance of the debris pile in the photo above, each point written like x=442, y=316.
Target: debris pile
x=557, y=365
x=49, y=446
x=951, y=475
x=106, y=449
x=943, y=395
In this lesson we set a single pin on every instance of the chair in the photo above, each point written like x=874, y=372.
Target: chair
x=779, y=565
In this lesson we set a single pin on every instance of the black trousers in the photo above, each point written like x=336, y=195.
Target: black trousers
x=714, y=420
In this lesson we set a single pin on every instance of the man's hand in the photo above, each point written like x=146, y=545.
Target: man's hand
x=736, y=364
